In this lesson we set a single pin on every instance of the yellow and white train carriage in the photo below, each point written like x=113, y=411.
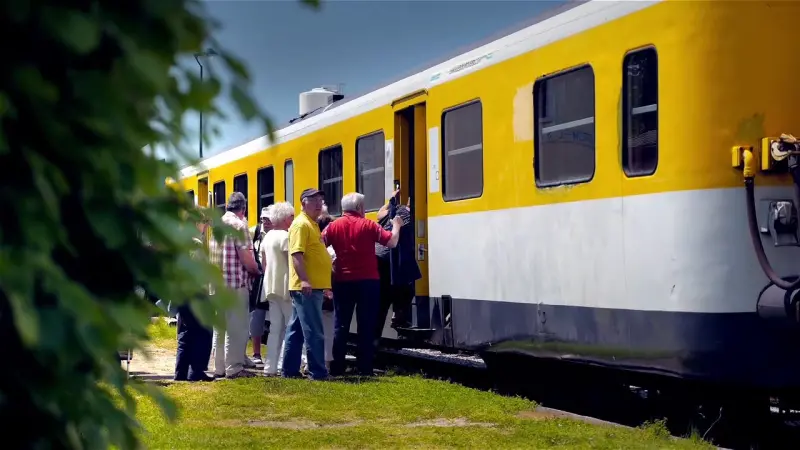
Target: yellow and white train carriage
x=571, y=185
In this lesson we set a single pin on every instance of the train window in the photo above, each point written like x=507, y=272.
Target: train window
x=564, y=148
x=462, y=136
x=288, y=181
x=330, y=178
x=640, y=113
x=219, y=195
x=190, y=196
x=369, y=170
x=266, y=187
x=240, y=184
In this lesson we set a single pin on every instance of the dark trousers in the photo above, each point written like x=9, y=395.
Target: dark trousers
x=361, y=296
x=397, y=296
x=194, y=346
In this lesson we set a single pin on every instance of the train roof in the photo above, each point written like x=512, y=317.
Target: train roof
x=553, y=25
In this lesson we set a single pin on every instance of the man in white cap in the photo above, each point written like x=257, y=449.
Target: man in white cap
x=258, y=305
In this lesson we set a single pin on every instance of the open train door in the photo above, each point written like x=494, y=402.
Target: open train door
x=407, y=156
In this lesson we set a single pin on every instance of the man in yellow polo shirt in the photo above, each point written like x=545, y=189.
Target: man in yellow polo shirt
x=309, y=275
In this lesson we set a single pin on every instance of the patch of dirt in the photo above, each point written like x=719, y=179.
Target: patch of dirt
x=287, y=425
x=442, y=423
x=542, y=413
x=538, y=414
x=154, y=362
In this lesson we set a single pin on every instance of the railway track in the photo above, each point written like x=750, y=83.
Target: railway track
x=575, y=393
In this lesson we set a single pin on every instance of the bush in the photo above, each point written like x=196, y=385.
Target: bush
x=84, y=87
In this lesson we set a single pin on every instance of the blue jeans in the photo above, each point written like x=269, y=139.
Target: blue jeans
x=364, y=297
x=194, y=346
x=305, y=325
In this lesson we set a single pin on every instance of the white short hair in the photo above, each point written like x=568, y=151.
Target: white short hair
x=352, y=201
x=279, y=212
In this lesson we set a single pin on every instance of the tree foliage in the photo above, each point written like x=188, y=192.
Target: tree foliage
x=84, y=86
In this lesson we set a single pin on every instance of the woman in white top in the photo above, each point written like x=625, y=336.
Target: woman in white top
x=275, y=255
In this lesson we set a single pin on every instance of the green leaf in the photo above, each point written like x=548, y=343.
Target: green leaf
x=25, y=319
x=78, y=30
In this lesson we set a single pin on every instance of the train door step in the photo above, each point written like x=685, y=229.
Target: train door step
x=415, y=333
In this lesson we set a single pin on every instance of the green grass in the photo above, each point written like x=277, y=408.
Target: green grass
x=389, y=412
x=162, y=335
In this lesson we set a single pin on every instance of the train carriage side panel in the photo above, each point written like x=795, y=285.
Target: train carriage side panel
x=651, y=273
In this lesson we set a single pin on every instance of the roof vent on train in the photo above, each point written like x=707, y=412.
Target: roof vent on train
x=318, y=98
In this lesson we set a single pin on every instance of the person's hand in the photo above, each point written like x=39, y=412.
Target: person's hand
x=305, y=288
x=397, y=221
x=327, y=293
x=395, y=193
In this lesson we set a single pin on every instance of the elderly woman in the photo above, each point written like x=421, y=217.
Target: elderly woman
x=275, y=258
x=397, y=267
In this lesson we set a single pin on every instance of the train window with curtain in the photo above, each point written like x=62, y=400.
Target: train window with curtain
x=240, y=184
x=370, y=171
x=190, y=196
x=330, y=178
x=266, y=187
x=564, y=147
x=219, y=195
x=288, y=181
x=462, y=152
x=640, y=113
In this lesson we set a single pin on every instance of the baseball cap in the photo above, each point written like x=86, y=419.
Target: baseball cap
x=311, y=192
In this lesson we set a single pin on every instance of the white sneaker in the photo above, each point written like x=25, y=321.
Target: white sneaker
x=248, y=363
x=257, y=360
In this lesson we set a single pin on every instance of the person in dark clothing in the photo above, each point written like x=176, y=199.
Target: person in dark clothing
x=194, y=339
x=397, y=267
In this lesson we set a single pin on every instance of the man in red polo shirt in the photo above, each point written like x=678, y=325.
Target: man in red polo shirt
x=355, y=279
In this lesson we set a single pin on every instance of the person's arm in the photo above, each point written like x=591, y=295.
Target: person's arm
x=385, y=208
x=383, y=212
x=263, y=255
x=386, y=238
x=245, y=251
x=298, y=240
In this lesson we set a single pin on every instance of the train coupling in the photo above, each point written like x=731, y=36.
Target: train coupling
x=779, y=305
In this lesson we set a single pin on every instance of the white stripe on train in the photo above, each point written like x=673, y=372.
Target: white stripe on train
x=678, y=251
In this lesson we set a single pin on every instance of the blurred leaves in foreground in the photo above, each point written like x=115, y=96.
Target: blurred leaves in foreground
x=87, y=216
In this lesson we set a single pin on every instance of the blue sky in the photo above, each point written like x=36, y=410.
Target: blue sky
x=289, y=48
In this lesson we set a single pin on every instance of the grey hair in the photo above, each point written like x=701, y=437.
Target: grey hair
x=352, y=202
x=236, y=202
x=279, y=212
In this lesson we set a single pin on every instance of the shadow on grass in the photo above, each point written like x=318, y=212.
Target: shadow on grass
x=356, y=379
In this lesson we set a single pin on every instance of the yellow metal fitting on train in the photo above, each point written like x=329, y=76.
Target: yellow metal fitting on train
x=742, y=157
x=750, y=165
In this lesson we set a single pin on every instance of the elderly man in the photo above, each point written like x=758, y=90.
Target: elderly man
x=309, y=276
x=356, y=279
x=236, y=260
